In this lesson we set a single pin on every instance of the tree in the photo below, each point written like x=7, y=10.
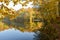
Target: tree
x=48, y=10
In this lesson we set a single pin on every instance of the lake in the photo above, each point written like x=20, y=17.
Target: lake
x=12, y=34
x=17, y=30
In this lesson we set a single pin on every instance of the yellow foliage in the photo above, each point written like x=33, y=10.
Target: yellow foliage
x=46, y=11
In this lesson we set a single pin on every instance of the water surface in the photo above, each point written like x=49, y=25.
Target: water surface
x=12, y=34
x=17, y=29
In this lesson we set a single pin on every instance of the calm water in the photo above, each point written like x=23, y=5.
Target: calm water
x=12, y=34
x=17, y=29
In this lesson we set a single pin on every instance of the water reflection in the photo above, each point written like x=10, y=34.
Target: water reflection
x=22, y=24
x=17, y=29
x=12, y=34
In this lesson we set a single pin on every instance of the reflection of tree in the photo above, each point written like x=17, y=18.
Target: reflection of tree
x=41, y=36
x=47, y=32
x=3, y=26
x=20, y=23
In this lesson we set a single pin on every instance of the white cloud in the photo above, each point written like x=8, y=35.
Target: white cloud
x=29, y=5
x=11, y=4
x=0, y=3
x=18, y=6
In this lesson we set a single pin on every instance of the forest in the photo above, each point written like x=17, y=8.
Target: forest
x=32, y=16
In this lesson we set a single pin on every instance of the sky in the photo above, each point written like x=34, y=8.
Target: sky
x=13, y=34
x=18, y=6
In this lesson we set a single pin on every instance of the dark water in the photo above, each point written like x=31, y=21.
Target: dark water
x=12, y=34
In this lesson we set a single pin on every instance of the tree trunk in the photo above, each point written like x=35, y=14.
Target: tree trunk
x=59, y=8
